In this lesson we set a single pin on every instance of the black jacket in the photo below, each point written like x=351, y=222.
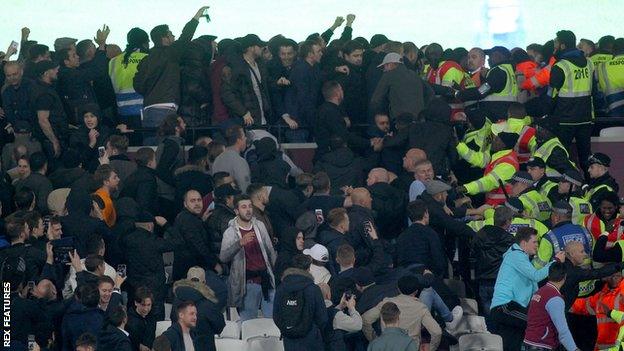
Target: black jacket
x=74, y=84
x=142, y=186
x=288, y=250
x=191, y=177
x=145, y=261
x=283, y=209
x=331, y=123
x=497, y=79
x=389, y=208
x=571, y=110
x=420, y=244
x=34, y=258
x=217, y=223
x=487, y=250
x=435, y=136
x=28, y=317
x=237, y=91
x=111, y=338
x=176, y=339
x=141, y=329
x=80, y=225
x=45, y=98
x=195, y=80
x=196, y=249
x=373, y=295
x=277, y=70
x=355, y=102
x=603, y=179
x=303, y=98
x=70, y=178
x=40, y=185
x=575, y=275
x=79, y=140
x=78, y=320
x=158, y=75
x=295, y=280
x=343, y=168
x=210, y=319
x=270, y=167
x=332, y=239
x=366, y=249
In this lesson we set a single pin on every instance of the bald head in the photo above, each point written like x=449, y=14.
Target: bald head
x=575, y=252
x=412, y=157
x=476, y=59
x=377, y=175
x=361, y=197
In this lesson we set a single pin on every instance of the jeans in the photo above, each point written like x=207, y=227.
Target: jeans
x=432, y=300
x=152, y=118
x=254, y=300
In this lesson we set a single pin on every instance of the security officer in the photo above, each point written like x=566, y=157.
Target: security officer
x=610, y=77
x=500, y=88
x=605, y=217
x=520, y=219
x=550, y=149
x=476, y=134
x=570, y=89
x=537, y=169
x=534, y=202
x=518, y=123
x=600, y=180
x=500, y=166
x=563, y=231
x=569, y=189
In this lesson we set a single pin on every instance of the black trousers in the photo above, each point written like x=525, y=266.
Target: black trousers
x=583, y=329
x=510, y=321
x=582, y=135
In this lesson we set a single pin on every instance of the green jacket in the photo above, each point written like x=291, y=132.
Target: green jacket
x=393, y=339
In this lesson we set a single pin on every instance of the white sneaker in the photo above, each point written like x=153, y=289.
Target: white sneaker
x=457, y=313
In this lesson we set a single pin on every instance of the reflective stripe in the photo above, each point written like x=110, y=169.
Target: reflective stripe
x=588, y=307
x=574, y=86
x=534, y=81
x=456, y=106
x=130, y=102
x=480, y=186
x=510, y=91
x=579, y=94
x=615, y=105
x=554, y=241
x=495, y=196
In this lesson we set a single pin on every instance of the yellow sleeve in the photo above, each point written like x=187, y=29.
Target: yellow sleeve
x=503, y=171
x=544, y=254
x=475, y=158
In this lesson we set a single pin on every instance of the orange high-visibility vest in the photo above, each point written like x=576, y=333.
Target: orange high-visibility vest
x=522, y=146
x=497, y=196
x=541, y=77
x=526, y=70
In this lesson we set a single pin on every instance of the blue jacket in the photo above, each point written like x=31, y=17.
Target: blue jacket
x=78, y=320
x=301, y=101
x=294, y=280
x=517, y=278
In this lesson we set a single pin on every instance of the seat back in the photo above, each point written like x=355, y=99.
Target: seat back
x=265, y=343
x=259, y=327
x=612, y=132
x=470, y=306
x=168, y=308
x=161, y=326
x=230, y=345
x=480, y=342
x=230, y=331
x=469, y=325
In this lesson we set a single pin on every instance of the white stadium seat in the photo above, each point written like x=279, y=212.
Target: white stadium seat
x=480, y=342
x=161, y=326
x=259, y=327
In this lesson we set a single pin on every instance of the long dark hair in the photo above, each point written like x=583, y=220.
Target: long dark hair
x=137, y=38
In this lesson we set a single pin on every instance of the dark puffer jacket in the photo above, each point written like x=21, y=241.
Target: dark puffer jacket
x=79, y=224
x=343, y=168
x=435, y=136
x=218, y=223
x=196, y=249
x=111, y=338
x=488, y=247
x=210, y=319
x=195, y=80
x=270, y=168
x=389, y=207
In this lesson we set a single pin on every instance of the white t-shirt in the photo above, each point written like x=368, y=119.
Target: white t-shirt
x=188, y=342
x=320, y=274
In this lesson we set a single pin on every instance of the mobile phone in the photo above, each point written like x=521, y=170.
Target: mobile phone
x=31, y=285
x=319, y=216
x=61, y=249
x=46, y=224
x=31, y=342
x=101, y=151
x=121, y=270
x=368, y=227
x=348, y=295
x=14, y=44
x=206, y=16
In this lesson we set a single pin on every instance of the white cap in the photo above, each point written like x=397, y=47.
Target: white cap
x=392, y=57
x=317, y=252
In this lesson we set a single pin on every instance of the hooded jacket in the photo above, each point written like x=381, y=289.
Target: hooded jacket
x=142, y=186
x=145, y=261
x=389, y=205
x=112, y=338
x=210, y=319
x=79, y=140
x=270, y=168
x=343, y=168
x=217, y=224
x=233, y=253
x=195, y=249
x=191, y=177
x=435, y=136
x=295, y=279
x=288, y=250
x=78, y=320
x=71, y=178
x=332, y=239
x=195, y=80
x=141, y=329
x=79, y=224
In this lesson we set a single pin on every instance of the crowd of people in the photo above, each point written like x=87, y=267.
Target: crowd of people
x=428, y=166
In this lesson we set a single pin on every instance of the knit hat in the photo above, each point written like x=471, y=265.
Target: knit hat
x=509, y=139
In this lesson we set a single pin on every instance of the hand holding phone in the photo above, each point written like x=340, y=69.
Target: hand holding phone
x=121, y=270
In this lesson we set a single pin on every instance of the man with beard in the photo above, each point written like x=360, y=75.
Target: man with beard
x=195, y=250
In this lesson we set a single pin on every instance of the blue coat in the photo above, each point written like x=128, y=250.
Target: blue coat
x=78, y=320
x=301, y=101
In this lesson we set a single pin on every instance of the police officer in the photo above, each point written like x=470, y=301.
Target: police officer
x=500, y=88
x=610, y=77
x=550, y=149
x=519, y=220
x=570, y=89
x=537, y=169
x=569, y=189
x=562, y=232
x=600, y=181
x=534, y=202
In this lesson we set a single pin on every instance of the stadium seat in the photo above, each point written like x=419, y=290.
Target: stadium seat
x=230, y=345
x=469, y=306
x=265, y=343
x=161, y=326
x=231, y=331
x=612, y=132
x=456, y=286
x=168, y=307
x=168, y=258
x=480, y=342
x=259, y=327
x=469, y=325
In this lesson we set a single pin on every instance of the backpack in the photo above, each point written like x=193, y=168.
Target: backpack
x=293, y=321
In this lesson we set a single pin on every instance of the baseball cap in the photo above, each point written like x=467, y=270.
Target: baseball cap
x=392, y=57
x=536, y=162
x=250, y=40
x=225, y=190
x=64, y=43
x=317, y=252
x=435, y=187
x=503, y=50
x=43, y=66
x=599, y=158
x=378, y=40
x=522, y=177
x=197, y=274
x=562, y=207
